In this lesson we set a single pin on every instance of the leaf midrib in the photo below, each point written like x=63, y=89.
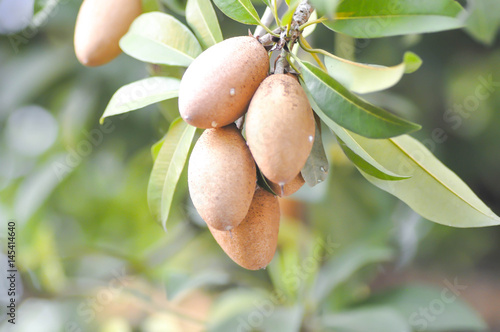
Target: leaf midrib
x=351, y=102
x=390, y=16
x=439, y=181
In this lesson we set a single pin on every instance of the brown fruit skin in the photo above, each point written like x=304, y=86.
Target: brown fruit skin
x=222, y=177
x=280, y=128
x=99, y=26
x=289, y=188
x=217, y=87
x=252, y=244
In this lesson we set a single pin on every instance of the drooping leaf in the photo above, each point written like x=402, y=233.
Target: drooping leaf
x=355, y=152
x=484, y=20
x=433, y=191
x=242, y=11
x=366, y=78
x=167, y=169
x=160, y=38
x=348, y=110
x=379, y=18
x=141, y=93
x=340, y=267
x=316, y=168
x=373, y=319
x=201, y=17
x=448, y=311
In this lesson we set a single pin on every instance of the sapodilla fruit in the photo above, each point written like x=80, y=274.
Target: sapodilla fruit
x=252, y=244
x=222, y=177
x=280, y=128
x=217, y=87
x=289, y=188
x=99, y=26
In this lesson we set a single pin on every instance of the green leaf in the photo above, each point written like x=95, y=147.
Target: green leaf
x=155, y=148
x=160, y=38
x=340, y=267
x=355, y=152
x=433, y=191
x=373, y=319
x=201, y=17
x=239, y=10
x=380, y=18
x=140, y=94
x=288, y=16
x=484, y=20
x=167, y=169
x=348, y=110
x=325, y=7
x=316, y=168
x=366, y=78
x=447, y=311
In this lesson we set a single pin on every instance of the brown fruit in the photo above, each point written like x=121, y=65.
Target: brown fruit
x=221, y=177
x=217, y=87
x=289, y=188
x=280, y=128
x=99, y=26
x=252, y=244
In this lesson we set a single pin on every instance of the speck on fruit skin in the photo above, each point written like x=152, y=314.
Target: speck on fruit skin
x=232, y=92
x=214, y=124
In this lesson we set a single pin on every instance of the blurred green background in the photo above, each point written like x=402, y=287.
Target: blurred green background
x=350, y=256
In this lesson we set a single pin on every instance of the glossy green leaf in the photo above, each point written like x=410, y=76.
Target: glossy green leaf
x=239, y=10
x=160, y=38
x=316, y=168
x=444, y=305
x=484, y=20
x=380, y=18
x=366, y=78
x=267, y=3
x=355, y=152
x=141, y=93
x=348, y=110
x=339, y=268
x=325, y=7
x=201, y=17
x=373, y=319
x=168, y=167
x=433, y=191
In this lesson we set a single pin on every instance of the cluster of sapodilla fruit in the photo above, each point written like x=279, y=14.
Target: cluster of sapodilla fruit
x=227, y=81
